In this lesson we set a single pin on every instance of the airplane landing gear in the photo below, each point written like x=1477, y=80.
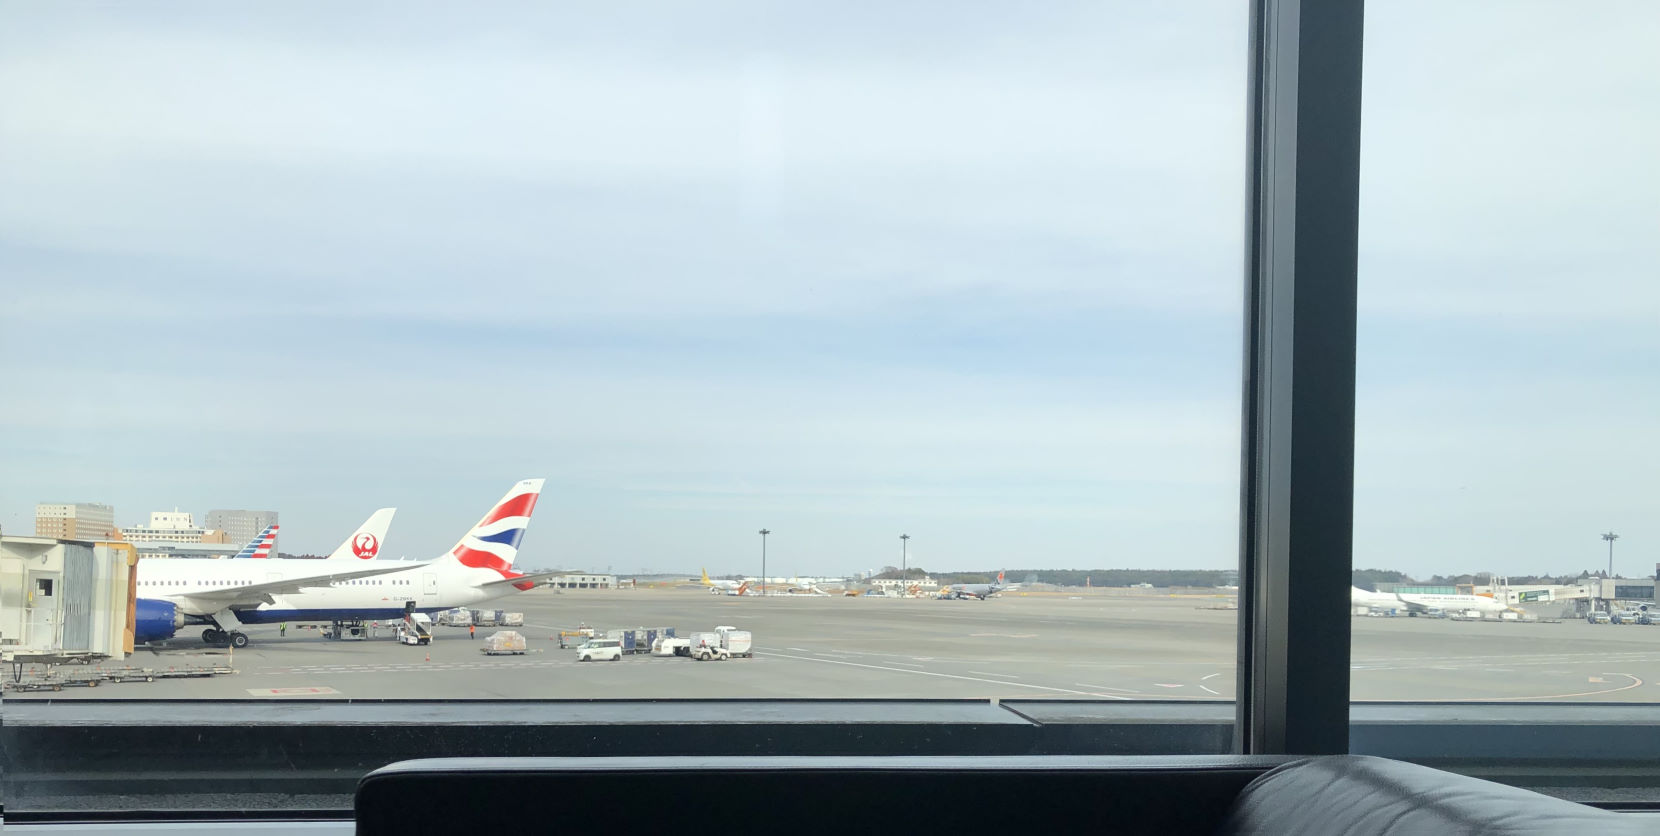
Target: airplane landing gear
x=213, y=635
x=238, y=639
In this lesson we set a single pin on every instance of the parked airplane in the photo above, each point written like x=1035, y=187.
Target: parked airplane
x=225, y=595
x=980, y=591
x=741, y=589
x=1414, y=603
x=719, y=587
x=363, y=545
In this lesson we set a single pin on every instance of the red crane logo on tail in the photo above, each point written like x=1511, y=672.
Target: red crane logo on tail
x=365, y=546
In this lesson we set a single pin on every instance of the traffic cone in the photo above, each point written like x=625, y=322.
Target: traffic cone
x=429, y=655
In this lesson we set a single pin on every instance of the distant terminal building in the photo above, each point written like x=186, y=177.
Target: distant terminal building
x=167, y=527
x=196, y=550
x=241, y=526
x=575, y=581
x=1417, y=589
x=905, y=583
x=75, y=521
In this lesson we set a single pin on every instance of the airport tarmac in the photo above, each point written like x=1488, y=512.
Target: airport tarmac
x=1012, y=647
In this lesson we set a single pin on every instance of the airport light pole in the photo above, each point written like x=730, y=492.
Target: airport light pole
x=1610, y=537
x=904, y=555
x=764, y=534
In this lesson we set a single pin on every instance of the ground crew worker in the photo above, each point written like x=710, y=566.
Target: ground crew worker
x=283, y=630
x=472, y=631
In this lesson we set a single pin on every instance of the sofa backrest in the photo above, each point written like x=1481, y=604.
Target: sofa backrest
x=1366, y=796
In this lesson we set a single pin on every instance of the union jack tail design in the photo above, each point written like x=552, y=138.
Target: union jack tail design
x=494, y=542
x=260, y=546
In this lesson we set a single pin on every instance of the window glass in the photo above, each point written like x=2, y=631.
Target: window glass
x=1507, y=394
x=770, y=304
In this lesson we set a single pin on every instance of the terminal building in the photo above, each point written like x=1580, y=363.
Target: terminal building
x=891, y=584
x=75, y=521
x=64, y=600
x=576, y=581
x=241, y=526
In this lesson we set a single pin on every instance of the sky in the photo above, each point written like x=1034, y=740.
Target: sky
x=842, y=273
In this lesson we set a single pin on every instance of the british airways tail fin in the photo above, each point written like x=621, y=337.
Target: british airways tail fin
x=261, y=545
x=365, y=543
x=494, y=542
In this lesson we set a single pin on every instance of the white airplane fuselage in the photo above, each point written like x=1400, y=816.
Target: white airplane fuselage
x=432, y=586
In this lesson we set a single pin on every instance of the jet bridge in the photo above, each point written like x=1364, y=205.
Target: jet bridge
x=65, y=600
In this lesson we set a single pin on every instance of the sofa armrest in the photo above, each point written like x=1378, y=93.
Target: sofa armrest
x=1368, y=796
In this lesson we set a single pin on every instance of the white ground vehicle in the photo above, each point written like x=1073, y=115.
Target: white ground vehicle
x=415, y=628
x=1597, y=617
x=736, y=642
x=671, y=646
x=707, y=646
x=594, y=650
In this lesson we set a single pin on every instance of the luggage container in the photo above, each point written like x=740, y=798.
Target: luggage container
x=513, y=619
x=504, y=643
x=736, y=642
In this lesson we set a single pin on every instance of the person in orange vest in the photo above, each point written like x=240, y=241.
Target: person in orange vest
x=472, y=631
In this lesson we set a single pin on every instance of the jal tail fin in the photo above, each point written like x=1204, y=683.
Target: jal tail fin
x=260, y=546
x=366, y=541
x=494, y=542
x=999, y=577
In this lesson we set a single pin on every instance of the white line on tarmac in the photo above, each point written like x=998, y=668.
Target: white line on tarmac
x=949, y=676
x=989, y=673
x=1207, y=688
x=1212, y=676
x=1105, y=688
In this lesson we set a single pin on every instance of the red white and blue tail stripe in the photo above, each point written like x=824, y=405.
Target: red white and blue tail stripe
x=260, y=546
x=494, y=542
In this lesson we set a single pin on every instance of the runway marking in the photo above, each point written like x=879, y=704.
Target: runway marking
x=950, y=676
x=1211, y=676
x=1105, y=688
x=1003, y=635
x=1169, y=685
x=989, y=673
x=292, y=692
x=906, y=664
x=1635, y=683
x=1207, y=688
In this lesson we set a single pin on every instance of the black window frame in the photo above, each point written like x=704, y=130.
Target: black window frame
x=1296, y=528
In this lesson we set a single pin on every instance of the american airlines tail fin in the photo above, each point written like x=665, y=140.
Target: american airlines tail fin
x=261, y=545
x=365, y=543
x=494, y=542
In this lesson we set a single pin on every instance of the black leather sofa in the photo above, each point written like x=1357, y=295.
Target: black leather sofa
x=1049, y=795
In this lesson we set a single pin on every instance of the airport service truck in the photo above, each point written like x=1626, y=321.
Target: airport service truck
x=736, y=642
x=415, y=628
x=706, y=646
x=671, y=645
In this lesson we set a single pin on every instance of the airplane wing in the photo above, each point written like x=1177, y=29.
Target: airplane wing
x=260, y=593
x=534, y=577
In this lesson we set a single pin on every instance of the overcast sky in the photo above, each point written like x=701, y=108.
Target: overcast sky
x=967, y=272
